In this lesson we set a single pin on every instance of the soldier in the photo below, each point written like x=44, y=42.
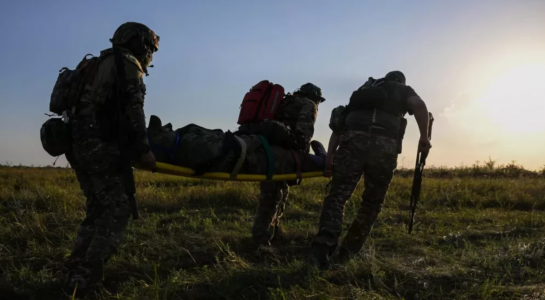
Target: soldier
x=193, y=146
x=97, y=154
x=298, y=112
x=367, y=138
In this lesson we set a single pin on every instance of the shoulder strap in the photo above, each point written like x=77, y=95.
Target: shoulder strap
x=297, y=164
x=90, y=74
x=270, y=158
x=89, y=68
x=121, y=91
x=288, y=96
x=378, y=82
x=121, y=76
x=241, y=158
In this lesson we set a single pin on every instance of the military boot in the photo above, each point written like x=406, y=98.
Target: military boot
x=344, y=256
x=78, y=281
x=321, y=256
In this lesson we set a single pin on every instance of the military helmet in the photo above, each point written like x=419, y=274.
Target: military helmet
x=311, y=91
x=130, y=30
x=395, y=76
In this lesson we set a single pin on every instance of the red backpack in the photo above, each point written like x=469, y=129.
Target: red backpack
x=261, y=102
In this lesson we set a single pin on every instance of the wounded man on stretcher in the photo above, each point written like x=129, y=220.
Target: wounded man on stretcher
x=248, y=152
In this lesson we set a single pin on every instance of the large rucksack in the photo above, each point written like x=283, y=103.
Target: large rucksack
x=68, y=89
x=70, y=84
x=261, y=102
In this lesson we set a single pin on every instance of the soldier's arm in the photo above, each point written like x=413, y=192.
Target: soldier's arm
x=420, y=112
x=337, y=124
x=134, y=105
x=304, y=128
x=334, y=140
x=418, y=108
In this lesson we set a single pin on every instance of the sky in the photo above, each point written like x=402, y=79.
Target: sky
x=478, y=65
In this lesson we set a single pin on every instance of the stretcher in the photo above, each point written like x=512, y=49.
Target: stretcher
x=170, y=169
x=186, y=172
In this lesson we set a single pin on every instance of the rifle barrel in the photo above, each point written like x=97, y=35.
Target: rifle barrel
x=417, y=179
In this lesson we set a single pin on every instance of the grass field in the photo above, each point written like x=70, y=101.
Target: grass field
x=479, y=235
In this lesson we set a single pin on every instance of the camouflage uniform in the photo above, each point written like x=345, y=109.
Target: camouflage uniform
x=364, y=149
x=299, y=114
x=96, y=159
x=359, y=153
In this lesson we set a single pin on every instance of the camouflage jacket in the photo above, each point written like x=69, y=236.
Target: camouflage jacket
x=96, y=103
x=299, y=114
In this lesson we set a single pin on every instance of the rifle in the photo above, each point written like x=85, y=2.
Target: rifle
x=417, y=180
x=126, y=167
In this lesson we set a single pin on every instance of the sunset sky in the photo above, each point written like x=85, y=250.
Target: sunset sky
x=478, y=64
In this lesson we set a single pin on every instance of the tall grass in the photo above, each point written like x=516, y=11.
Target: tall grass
x=479, y=234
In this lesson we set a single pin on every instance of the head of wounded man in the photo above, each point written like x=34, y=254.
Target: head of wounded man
x=161, y=138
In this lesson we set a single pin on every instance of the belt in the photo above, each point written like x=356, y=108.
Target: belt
x=372, y=130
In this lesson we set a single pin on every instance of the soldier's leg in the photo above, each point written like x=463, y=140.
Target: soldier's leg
x=86, y=229
x=380, y=163
x=270, y=197
x=111, y=221
x=107, y=218
x=85, y=232
x=347, y=170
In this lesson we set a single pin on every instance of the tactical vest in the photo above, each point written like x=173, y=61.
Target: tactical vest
x=376, y=105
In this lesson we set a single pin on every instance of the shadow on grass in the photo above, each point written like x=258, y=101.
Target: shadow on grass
x=224, y=201
x=244, y=284
x=260, y=279
x=483, y=238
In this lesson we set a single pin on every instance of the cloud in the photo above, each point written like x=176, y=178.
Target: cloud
x=468, y=117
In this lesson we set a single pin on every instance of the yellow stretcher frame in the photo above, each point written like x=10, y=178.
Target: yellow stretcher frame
x=186, y=172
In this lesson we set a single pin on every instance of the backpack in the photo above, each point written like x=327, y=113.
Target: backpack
x=338, y=118
x=70, y=84
x=261, y=103
x=68, y=89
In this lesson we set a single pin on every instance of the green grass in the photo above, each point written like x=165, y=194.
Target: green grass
x=479, y=234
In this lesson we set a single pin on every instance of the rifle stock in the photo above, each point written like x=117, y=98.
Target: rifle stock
x=417, y=179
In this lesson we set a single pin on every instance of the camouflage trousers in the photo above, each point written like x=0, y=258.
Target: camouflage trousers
x=97, y=169
x=359, y=153
x=272, y=202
